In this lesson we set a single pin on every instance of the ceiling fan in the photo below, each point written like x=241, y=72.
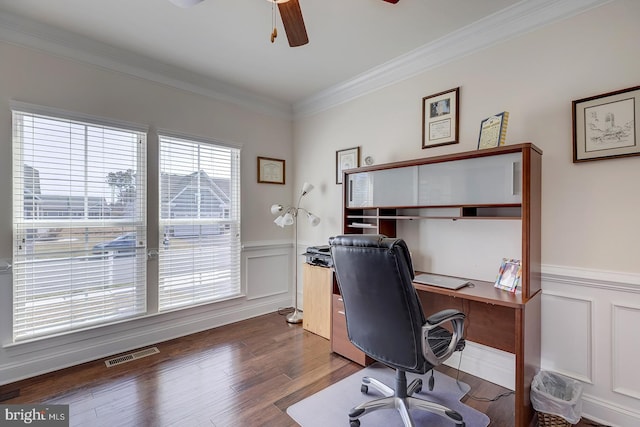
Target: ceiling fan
x=291, y=16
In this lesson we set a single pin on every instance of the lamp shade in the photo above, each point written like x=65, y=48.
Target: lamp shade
x=287, y=219
x=306, y=188
x=275, y=209
x=279, y=221
x=313, y=220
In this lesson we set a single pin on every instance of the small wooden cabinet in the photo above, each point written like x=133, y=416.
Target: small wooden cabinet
x=316, y=299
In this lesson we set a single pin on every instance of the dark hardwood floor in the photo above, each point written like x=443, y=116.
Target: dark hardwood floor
x=243, y=374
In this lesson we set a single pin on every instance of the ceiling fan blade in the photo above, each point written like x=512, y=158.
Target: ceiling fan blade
x=291, y=15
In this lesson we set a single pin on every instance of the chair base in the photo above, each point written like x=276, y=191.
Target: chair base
x=400, y=399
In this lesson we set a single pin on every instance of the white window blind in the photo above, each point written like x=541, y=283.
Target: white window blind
x=79, y=194
x=199, y=223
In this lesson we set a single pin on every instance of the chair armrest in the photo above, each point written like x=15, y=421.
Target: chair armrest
x=438, y=343
x=443, y=316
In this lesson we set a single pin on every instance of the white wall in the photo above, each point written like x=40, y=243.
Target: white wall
x=35, y=77
x=589, y=210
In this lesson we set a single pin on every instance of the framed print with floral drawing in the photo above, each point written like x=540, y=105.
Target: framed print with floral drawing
x=606, y=126
x=348, y=158
x=440, y=118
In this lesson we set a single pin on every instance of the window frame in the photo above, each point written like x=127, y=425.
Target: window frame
x=232, y=224
x=22, y=330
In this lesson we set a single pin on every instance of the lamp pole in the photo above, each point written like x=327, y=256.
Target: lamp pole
x=290, y=217
x=296, y=315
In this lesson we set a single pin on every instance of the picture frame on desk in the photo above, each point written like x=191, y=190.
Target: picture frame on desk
x=493, y=131
x=509, y=275
x=440, y=122
x=606, y=126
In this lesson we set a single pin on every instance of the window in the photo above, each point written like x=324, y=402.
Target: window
x=199, y=222
x=79, y=218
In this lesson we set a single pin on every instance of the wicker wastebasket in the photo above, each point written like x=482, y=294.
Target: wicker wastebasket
x=548, y=420
x=557, y=399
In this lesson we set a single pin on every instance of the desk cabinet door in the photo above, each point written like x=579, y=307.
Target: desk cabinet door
x=360, y=191
x=384, y=188
x=482, y=180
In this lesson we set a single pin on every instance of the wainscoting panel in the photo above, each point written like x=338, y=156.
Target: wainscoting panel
x=267, y=280
x=266, y=269
x=589, y=333
x=625, y=350
x=567, y=330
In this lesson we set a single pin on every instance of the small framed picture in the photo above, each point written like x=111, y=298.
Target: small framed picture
x=493, y=131
x=348, y=158
x=440, y=118
x=271, y=171
x=606, y=126
x=509, y=275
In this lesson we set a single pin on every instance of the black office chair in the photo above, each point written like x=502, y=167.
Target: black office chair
x=385, y=320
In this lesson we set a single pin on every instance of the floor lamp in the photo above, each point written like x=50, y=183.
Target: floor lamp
x=289, y=216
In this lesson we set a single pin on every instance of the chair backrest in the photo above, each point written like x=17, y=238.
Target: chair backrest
x=383, y=312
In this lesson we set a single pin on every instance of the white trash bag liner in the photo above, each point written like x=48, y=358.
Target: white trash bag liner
x=555, y=394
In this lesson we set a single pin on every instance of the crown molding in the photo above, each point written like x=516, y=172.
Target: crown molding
x=24, y=32
x=520, y=18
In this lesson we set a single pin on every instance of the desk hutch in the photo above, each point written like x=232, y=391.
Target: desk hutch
x=502, y=183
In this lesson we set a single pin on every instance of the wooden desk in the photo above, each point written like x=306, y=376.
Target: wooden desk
x=495, y=318
x=501, y=320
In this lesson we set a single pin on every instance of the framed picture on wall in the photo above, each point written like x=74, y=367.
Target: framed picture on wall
x=606, y=126
x=348, y=158
x=440, y=118
x=271, y=171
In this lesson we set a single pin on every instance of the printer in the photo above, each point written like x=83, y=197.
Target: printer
x=319, y=255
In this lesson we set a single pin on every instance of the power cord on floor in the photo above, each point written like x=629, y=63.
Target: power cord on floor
x=283, y=311
x=478, y=398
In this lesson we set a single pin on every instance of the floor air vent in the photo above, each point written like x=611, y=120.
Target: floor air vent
x=131, y=356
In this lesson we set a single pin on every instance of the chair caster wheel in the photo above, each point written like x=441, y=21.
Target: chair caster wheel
x=356, y=423
x=432, y=382
x=363, y=389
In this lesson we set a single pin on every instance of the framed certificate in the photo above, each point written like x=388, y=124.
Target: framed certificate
x=493, y=131
x=348, y=158
x=440, y=118
x=270, y=171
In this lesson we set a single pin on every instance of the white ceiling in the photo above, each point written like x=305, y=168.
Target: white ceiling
x=225, y=44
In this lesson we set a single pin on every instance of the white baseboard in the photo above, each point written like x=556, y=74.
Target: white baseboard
x=609, y=413
x=120, y=340
x=487, y=363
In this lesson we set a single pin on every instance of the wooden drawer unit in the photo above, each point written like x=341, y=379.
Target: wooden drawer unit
x=339, y=339
x=316, y=299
